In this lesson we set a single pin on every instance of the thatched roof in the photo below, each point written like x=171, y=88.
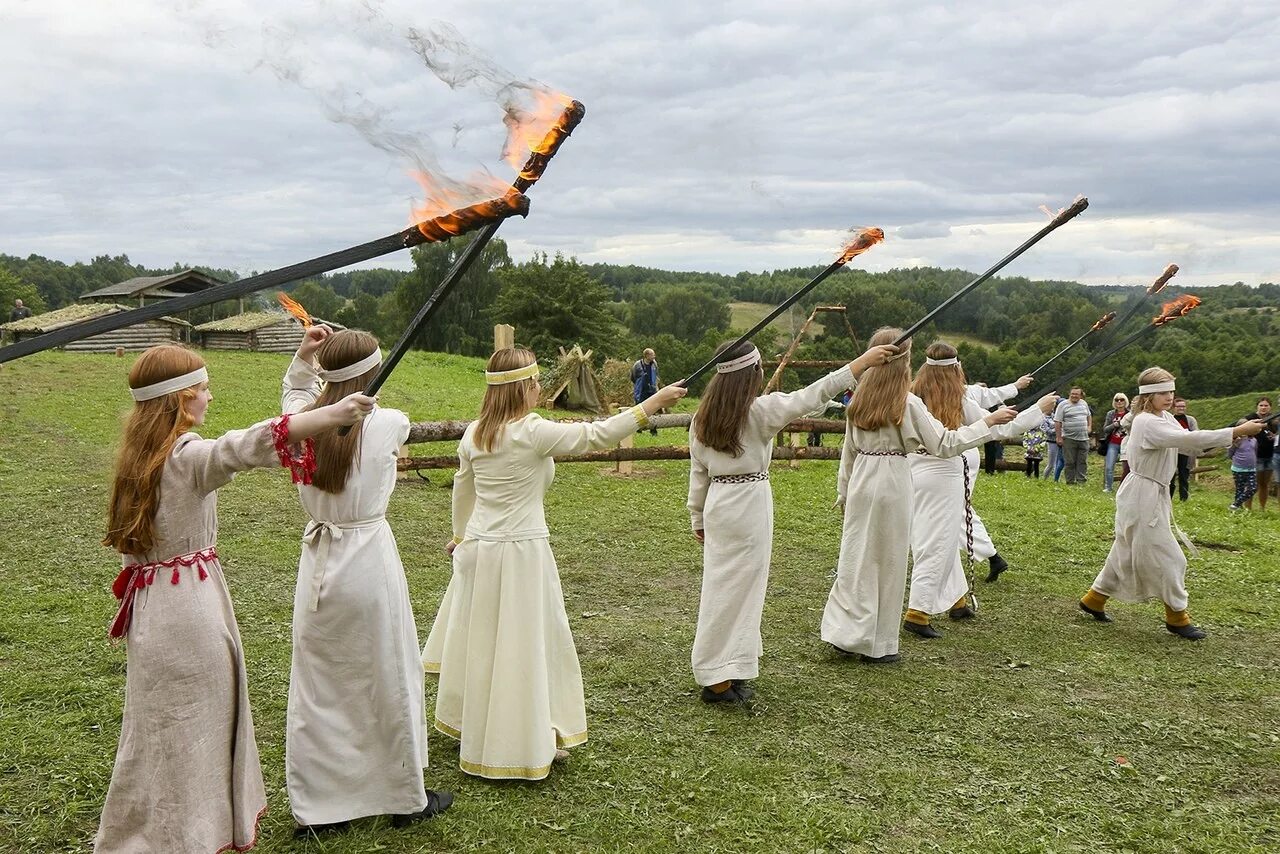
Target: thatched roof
x=71, y=314
x=171, y=285
x=251, y=321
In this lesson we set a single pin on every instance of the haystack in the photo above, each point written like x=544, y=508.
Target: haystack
x=573, y=384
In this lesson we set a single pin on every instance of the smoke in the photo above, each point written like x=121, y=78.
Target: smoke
x=363, y=71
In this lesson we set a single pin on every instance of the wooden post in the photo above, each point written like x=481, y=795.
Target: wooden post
x=504, y=337
x=119, y=352
x=626, y=466
x=797, y=441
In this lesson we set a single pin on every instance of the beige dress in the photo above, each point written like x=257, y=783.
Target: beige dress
x=355, y=741
x=1145, y=561
x=864, y=609
x=186, y=776
x=737, y=516
x=510, y=686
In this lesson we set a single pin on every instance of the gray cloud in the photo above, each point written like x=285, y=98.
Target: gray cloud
x=719, y=136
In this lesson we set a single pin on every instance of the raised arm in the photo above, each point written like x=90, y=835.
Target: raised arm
x=552, y=439
x=778, y=409
x=301, y=385
x=1164, y=433
x=941, y=442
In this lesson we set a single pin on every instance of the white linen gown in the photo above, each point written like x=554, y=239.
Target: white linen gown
x=355, y=742
x=510, y=684
x=1146, y=561
x=864, y=609
x=983, y=546
x=738, y=522
x=938, y=577
x=186, y=775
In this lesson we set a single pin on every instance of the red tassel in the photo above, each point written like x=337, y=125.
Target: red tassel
x=203, y=573
x=174, y=579
x=122, y=583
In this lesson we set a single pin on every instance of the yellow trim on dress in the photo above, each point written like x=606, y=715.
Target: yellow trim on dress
x=510, y=772
x=431, y=667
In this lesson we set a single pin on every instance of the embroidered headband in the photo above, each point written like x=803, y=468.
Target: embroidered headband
x=752, y=358
x=513, y=376
x=355, y=369
x=1154, y=388
x=942, y=362
x=169, y=386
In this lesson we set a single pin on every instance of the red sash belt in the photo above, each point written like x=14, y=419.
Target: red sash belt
x=135, y=576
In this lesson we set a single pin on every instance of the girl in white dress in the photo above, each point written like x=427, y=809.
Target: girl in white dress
x=885, y=423
x=510, y=685
x=186, y=776
x=731, y=508
x=1145, y=561
x=356, y=741
x=938, y=581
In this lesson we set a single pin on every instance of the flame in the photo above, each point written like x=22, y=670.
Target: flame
x=471, y=217
x=295, y=308
x=529, y=130
x=1179, y=307
x=443, y=196
x=1103, y=321
x=861, y=242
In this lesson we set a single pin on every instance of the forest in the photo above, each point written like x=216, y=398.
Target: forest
x=1008, y=326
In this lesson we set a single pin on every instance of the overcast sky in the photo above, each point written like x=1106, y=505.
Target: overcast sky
x=719, y=136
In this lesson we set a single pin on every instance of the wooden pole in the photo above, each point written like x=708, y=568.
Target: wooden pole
x=613, y=455
x=626, y=467
x=504, y=337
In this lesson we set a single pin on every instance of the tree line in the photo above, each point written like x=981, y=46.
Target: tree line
x=1225, y=347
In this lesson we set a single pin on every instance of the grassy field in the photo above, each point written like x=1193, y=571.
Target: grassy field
x=1028, y=730
x=744, y=315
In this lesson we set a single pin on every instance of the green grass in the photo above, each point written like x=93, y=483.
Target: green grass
x=744, y=315
x=1003, y=736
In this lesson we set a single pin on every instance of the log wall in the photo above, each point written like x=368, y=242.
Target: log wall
x=131, y=338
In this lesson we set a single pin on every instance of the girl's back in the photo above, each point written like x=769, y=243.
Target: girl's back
x=371, y=480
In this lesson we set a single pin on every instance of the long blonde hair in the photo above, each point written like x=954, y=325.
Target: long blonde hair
x=1142, y=403
x=881, y=396
x=503, y=403
x=941, y=387
x=336, y=454
x=727, y=402
x=150, y=432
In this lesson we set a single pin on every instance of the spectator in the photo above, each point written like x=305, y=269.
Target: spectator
x=1266, y=451
x=1035, y=442
x=1244, y=466
x=644, y=379
x=1183, y=475
x=1054, y=467
x=1112, y=436
x=1073, y=423
x=19, y=311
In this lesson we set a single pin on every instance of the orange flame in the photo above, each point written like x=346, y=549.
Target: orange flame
x=1103, y=321
x=528, y=129
x=295, y=308
x=443, y=196
x=1179, y=307
x=861, y=242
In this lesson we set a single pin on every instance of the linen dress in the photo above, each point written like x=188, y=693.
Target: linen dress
x=510, y=685
x=737, y=518
x=863, y=613
x=983, y=546
x=355, y=741
x=938, y=536
x=1145, y=561
x=186, y=775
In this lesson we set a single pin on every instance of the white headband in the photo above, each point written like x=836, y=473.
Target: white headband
x=752, y=358
x=350, y=372
x=942, y=362
x=169, y=386
x=1154, y=388
x=514, y=375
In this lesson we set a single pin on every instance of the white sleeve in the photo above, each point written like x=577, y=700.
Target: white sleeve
x=1163, y=433
x=553, y=439
x=989, y=397
x=301, y=387
x=848, y=453
x=937, y=439
x=464, y=494
x=776, y=410
x=699, y=483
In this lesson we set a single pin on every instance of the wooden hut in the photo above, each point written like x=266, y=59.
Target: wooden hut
x=146, y=289
x=259, y=331
x=140, y=336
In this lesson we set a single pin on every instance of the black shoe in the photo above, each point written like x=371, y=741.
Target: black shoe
x=1189, y=631
x=842, y=651
x=744, y=690
x=729, y=695
x=1100, y=616
x=998, y=565
x=437, y=802
x=304, y=830
x=653, y=432
x=891, y=658
x=963, y=613
x=923, y=630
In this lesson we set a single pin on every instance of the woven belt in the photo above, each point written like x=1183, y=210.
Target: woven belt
x=740, y=478
x=883, y=453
